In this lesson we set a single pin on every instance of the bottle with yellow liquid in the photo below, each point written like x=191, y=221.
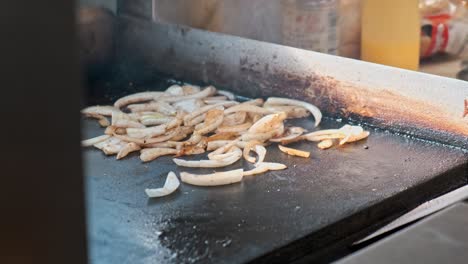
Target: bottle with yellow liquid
x=391, y=32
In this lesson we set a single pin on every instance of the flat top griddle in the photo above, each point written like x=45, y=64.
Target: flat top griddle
x=273, y=217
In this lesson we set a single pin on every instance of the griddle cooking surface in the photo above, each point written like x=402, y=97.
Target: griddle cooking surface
x=350, y=185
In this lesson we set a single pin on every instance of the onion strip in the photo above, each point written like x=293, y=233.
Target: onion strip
x=214, y=179
x=312, y=108
x=294, y=152
x=170, y=185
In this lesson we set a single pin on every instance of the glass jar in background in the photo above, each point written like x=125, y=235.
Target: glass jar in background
x=310, y=24
x=391, y=32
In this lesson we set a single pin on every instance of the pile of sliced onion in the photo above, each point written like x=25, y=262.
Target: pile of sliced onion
x=187, y=120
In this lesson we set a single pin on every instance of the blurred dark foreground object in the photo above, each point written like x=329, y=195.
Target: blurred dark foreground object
x=96, y=31
x=42, y=215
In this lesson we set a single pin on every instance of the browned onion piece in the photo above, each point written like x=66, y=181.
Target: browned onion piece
x=162, y=138
x=234, y=119
x=325, y=144
x=214, y=179
x=294, y=152
x=222, y=136
x=213, y=119
x=264, y=136
x=234, y=129
x=205, y=109
x=150, y=154
x=130, y=147
x=268, y=123
x=102, y=120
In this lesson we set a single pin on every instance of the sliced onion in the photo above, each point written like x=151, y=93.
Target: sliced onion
x=225, y=148
x=130, y=147
x=167, y=144
x=160, y=107
x=267, y=123
x=109, y=141
x=213, y=119
x=212, y=145
x=362, y=135
x=210, y=163
x=218, y=98
x=325, y=132
x=151, y=121
x=234, y=129
x=229, y=95
x=210, y=90
x=222, y=136
x=222, y=156
x=248, y=108
x=126, y=138
x=112, y=147
x=125, y=121
x=170, y=185
x=291, y=110
x=248, y=148
x=104, y=110
x=162, y=138
x=283, y=101
x=194, y=139
x=190, y=89
x=264, y=167
x=263, y=136
x=154, y=153
x=214, y=179
x=234, y=119
x=148, y=132
x=197, y=120
x=257, y=102
x=92, y=141
x=205, y=109
x=103, y=121
x=175, y=90
x=294, y=152
x=325, y=144
x=136, y=98
x=192, y=150
x=292, y=133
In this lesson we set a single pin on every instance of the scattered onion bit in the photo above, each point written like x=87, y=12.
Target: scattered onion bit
x=294, y=152
x=213, y=179
x=325, y=144
x=170, y=185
